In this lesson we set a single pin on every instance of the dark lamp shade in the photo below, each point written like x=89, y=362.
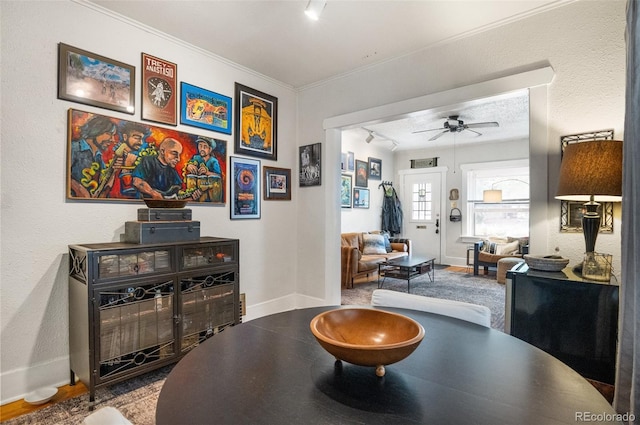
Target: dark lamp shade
x=591, y=168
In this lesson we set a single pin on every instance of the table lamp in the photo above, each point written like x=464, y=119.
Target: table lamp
x=591, y=171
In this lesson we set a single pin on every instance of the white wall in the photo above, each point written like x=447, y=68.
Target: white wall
x=362, y=219
x=584, y=44
x=38, y=223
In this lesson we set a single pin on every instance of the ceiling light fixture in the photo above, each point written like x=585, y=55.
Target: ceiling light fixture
x=369, y=137
x=395, y=146
x=315, y=8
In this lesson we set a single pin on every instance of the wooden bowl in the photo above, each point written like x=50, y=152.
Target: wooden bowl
x=165, y=203
x=367, y=337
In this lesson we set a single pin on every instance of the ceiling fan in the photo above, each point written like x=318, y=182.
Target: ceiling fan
x=455, y=125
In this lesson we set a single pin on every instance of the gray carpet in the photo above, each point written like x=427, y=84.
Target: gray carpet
x=136, y=398
x=450, y=285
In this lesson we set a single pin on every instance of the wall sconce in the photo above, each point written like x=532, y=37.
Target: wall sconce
x=591, y=171
x=314, y=9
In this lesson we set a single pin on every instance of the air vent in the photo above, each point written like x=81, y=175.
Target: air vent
x=424, y=163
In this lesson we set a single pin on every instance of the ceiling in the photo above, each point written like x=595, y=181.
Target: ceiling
x=277, y=40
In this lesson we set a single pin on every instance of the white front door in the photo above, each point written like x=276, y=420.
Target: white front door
x=421, y=212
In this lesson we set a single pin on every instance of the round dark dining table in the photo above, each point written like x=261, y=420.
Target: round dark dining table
x=272, y=371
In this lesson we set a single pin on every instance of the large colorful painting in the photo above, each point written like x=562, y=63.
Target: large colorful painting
x=159, y=91
x=256, y=123
x=115, y=159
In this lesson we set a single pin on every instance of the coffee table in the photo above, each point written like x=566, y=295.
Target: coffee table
x=406, y=268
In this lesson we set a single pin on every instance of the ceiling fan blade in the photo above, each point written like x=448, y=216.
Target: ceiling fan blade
x=438, y=135
x=478, y=133
x=430, y=129
x=482, y=124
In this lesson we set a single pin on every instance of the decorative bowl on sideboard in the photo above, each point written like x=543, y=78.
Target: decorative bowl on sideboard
x=367, y=337
x=547, y=263
x=165, y=203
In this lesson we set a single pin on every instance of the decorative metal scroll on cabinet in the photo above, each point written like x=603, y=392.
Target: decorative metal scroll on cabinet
x=134, y=308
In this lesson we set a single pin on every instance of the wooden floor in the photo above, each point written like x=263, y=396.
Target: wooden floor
x=21, y=407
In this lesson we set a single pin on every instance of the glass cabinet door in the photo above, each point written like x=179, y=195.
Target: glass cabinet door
x=207, y=306
x=134, y=263
x=136, y=326
x=208, y=255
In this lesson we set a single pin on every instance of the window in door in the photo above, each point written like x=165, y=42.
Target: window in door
x=421, y=202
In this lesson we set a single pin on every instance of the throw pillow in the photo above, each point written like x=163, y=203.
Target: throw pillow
x=507, y=248
x=387, y=241
x=373, y=244
x=488, y=246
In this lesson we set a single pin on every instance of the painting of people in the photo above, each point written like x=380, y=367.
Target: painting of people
x=115, y=159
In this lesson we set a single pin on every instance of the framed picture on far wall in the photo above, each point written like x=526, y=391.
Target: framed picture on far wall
x=277, y=183
x=361, y=173
x=360, y=198
x=159, y=90
x=205, y=109
x=345, y=191
x=245, y=188
x=91, y=79
x=256, y=123
x=310, y=165
x=375, y=169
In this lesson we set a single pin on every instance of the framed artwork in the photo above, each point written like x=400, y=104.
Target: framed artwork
x=256, y=123
x=277, y=183
x=205, y=109
x=360, y=198
x=351, y=161
x=343, y=161
x=114, y=159
x=245, y=188
x=345, y=191
x=159, y=90
x=571, y=216
x=375, y=169
x=91, y=79
x=310, y=165
x=361, y=173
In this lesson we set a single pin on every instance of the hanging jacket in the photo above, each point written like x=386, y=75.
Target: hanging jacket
x=391, y=212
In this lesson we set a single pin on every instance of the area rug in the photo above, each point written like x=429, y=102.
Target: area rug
x=450, y=285
x=135, y=398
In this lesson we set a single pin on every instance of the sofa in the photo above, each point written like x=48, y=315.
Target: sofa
x=487, y=252
x=361, y=252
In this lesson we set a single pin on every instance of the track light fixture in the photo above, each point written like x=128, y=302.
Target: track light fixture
x=314, y=9
x=370, y=137
x=394, y=145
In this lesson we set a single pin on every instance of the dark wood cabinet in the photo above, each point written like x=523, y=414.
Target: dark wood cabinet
x=136, y=307
x=573, y=319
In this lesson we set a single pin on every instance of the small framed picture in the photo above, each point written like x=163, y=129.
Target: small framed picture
x=205, y=109
x=159, y=90
x=310, y=165
x=91, y=79
x=375, y=169
x=245, y=188
x=277, y=183
x=343, y=161
x=256, y=123
x=351, y=161
x=345, y=191
x=362, y=173
x=360, y=198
